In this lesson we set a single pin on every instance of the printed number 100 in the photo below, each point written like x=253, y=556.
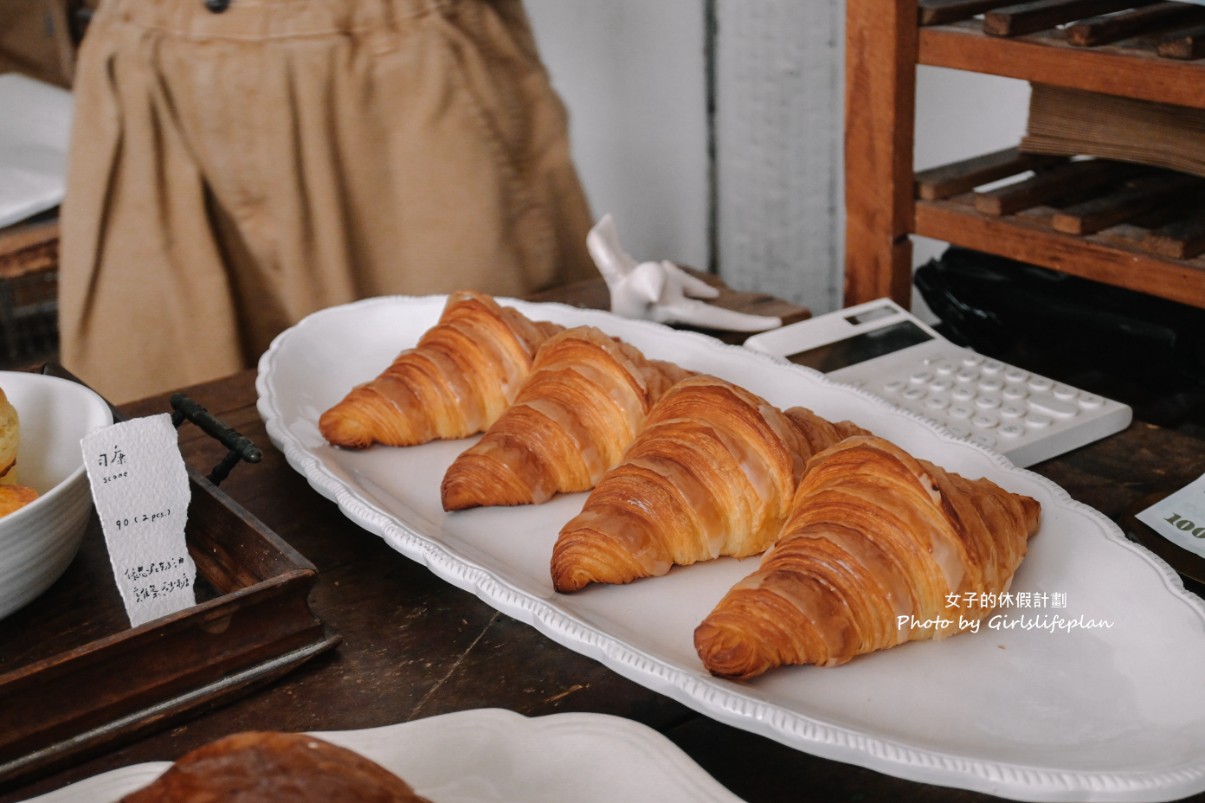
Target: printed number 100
x=1185, y=525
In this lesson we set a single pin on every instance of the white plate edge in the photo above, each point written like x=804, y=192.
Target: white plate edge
x=620, y=733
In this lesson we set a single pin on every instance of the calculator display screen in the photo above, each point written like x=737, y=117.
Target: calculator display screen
x=862, y=347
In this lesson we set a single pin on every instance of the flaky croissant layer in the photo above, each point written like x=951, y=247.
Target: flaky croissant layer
x=711, y=474
x=587, y=396
x=455, y=382
x=880, y=548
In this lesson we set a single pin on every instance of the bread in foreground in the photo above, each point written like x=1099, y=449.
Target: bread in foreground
x=712, y=473
x=13, y=495
x=585, y=400
x=10, y=439
x=879, y=549
x=455, y=382
x=259, y=766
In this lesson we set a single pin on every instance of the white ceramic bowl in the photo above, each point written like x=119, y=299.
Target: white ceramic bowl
x=38, y=541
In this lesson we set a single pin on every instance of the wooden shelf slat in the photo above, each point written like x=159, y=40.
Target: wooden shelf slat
x=1186, y=44
x=1110, y=69
x=1050, y=185
x=939, y=12
x=1041, y=15
x=1086, y=257
x=959, y=177
x=1181, y=239
x=1109, y=28
x=1140, y=196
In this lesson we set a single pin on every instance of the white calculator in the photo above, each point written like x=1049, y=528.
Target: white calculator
x=882, y=348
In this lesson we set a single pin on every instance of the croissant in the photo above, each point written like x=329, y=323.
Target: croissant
x=711, y=474
x=586, y=398
x=876, y=547
x=459, y=378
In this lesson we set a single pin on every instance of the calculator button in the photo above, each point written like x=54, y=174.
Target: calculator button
x=1012, y=411
x=992, y=367
x=963, y=394
x=987, y=402
x=937, y=402
x=945, y=368
x=1064, y=392
x=972, y=359
x=966, y=375
x=920, y=376
x=1040, y=383
x=894, y=386
x=912, y=394
x=941, y=385
x=960, y=411
x=1090, y=401
x=1038, y=421
x=984, y=421
x=1049, y=406
x=1011, y=431
x=1016, y=375
x=991, y=385
x=1014, y=393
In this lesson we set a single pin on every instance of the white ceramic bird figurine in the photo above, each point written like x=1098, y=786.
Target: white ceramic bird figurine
x=661, y=291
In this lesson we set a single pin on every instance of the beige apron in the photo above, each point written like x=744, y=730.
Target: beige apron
x=232, y=171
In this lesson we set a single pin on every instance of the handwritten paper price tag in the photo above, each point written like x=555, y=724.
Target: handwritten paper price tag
x=1180, y=517
x=140, y=487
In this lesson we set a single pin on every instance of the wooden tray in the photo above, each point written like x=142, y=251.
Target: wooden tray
x=76, y=679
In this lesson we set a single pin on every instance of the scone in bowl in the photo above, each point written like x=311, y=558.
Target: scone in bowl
x=38, y=541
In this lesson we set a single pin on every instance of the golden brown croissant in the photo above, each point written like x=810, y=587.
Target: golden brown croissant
x=586, y=398
x=711, y=474
x=256, y=766
x=877, y=545
x=463, y=373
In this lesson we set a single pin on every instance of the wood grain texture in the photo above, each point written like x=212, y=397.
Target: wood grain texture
x=1049, y=185
x=1186, y=44
x=1040, y=15
x=885, y=44
x=1088, y=258
x=967, y=174
x=1109, y=69
x=75, y=679
x=1108, y=28
x=880, y=109
x=938, y=12
x=1136, y=198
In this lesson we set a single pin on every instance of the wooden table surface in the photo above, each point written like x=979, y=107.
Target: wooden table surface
x=415, y=646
